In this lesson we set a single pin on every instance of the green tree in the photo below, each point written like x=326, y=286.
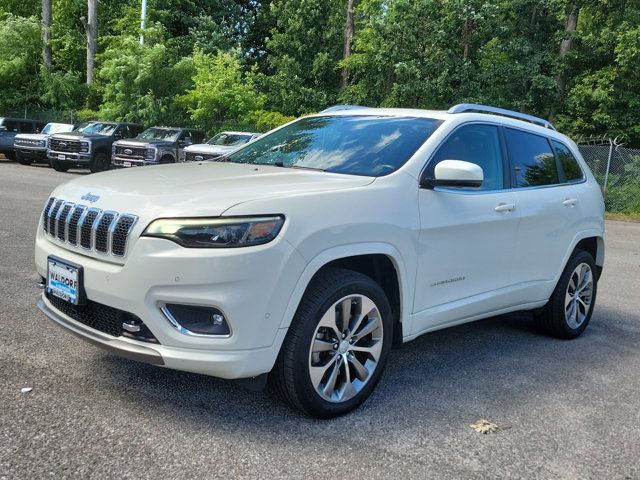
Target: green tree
x=20, y=58
x=140, y=83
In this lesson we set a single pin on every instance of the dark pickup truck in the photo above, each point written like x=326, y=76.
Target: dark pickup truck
x=89, y=145
x=153, y=146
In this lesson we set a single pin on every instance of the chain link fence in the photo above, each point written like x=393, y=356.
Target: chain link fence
x=617, y=169
x=63, y=116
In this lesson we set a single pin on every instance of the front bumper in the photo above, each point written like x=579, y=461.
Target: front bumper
x=32, y=152
x=239, y=282
x=68, y=157
x=124, y=162
x=223, y=364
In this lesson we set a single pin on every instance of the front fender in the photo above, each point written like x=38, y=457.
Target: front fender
x=351, y=250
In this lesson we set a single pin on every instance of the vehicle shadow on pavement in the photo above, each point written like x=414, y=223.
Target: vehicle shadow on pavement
x=493, y=368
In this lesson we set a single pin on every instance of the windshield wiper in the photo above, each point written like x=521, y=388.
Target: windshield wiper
x=302, y=167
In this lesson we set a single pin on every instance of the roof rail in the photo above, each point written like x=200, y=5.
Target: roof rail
x=473, y=107
x=336, y=108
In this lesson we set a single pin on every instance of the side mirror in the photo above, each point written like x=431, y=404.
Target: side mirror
x=454, y=173
x=187, y=141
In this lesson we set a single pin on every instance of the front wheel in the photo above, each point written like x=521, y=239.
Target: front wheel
x=59, y=166
x=337, y=345
x=571, y=304
x=100, y=162
x=23, y=160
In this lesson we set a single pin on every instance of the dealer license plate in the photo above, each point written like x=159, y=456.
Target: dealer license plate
x=63, y=281
x=126, y=164
x=61, y=157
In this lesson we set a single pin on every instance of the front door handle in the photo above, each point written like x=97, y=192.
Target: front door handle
x=505, y=207
x=570, y=202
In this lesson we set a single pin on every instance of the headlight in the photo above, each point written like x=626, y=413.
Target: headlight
x=150, y=153
x=223, y=232
x=85, y=146
x=42, y=143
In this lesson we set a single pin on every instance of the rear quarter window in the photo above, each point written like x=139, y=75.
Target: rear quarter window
x=568, y=163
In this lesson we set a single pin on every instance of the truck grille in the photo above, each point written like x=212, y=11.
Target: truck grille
x=89, y=228
x=199, y=157
x=130, y=152
x=23, y=142
x=72, y=146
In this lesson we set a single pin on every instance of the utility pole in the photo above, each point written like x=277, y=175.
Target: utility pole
x=143, y=19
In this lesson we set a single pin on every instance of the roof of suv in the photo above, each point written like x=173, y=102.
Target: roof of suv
x=460, y=114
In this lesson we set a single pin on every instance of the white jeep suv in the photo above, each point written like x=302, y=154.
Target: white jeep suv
x=308, y=253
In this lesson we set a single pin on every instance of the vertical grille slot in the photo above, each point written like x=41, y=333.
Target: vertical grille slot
x=61, y=220
x=102, y=231
x=52, y=217
x=86, y=228
x=121, y=233
x=72, y=236
x=45, y=214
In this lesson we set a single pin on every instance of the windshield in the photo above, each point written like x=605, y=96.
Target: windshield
x=51, y=128
x=229, y=139
x=168, y=134
x=352, y=144
x=98, y=127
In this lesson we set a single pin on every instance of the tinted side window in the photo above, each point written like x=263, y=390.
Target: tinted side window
x=479, y=144
x=532, y=158
x=26, y=127
x=568, y=163
x=198, y=137
x=11, y=125
x=124, y=132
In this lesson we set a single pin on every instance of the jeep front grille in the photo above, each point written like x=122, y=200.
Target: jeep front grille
x=59, y=145
x=89, y=228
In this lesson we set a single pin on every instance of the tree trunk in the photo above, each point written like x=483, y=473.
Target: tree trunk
x=46, y=33
x=570, y=26
x=348, y=37
x=91, y=27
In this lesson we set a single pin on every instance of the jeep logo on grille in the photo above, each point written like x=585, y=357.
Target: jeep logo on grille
x=89, y=197
x=128, y=151
x=199, y=157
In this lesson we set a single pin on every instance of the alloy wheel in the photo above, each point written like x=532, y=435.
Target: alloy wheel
x=578, y=296
x=346, y=348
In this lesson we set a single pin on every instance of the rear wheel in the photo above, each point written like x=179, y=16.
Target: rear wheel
x=337, y=345
x=570, y=307
x=100, y=162
x=59, y=166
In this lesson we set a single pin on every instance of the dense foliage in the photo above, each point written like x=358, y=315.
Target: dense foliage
x=256, y=63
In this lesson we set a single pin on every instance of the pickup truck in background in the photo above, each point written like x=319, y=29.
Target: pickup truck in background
x=32, y=147
x=89, y=146
x=154, y=146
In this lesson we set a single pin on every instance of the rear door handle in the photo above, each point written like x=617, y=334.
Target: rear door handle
x=505, y=207
x=570, y=202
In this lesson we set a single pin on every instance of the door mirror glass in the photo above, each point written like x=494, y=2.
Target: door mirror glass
x=455, y=173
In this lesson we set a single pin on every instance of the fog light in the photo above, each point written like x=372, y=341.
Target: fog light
x=196, y=320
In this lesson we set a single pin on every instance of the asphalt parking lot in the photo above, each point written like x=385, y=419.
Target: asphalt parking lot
x=566, y=409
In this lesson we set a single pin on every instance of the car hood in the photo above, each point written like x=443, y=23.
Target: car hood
x=79, y=136
x=32, y=136
x=139, y=142
x=197, y=189
x=215, y=149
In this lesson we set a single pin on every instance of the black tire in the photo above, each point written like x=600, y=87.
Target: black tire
x=10, y=155
x=552, y=320
x=100, y=162
x=22, y=160
x=59, y=166
x=290, y=378
x=167, y=159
